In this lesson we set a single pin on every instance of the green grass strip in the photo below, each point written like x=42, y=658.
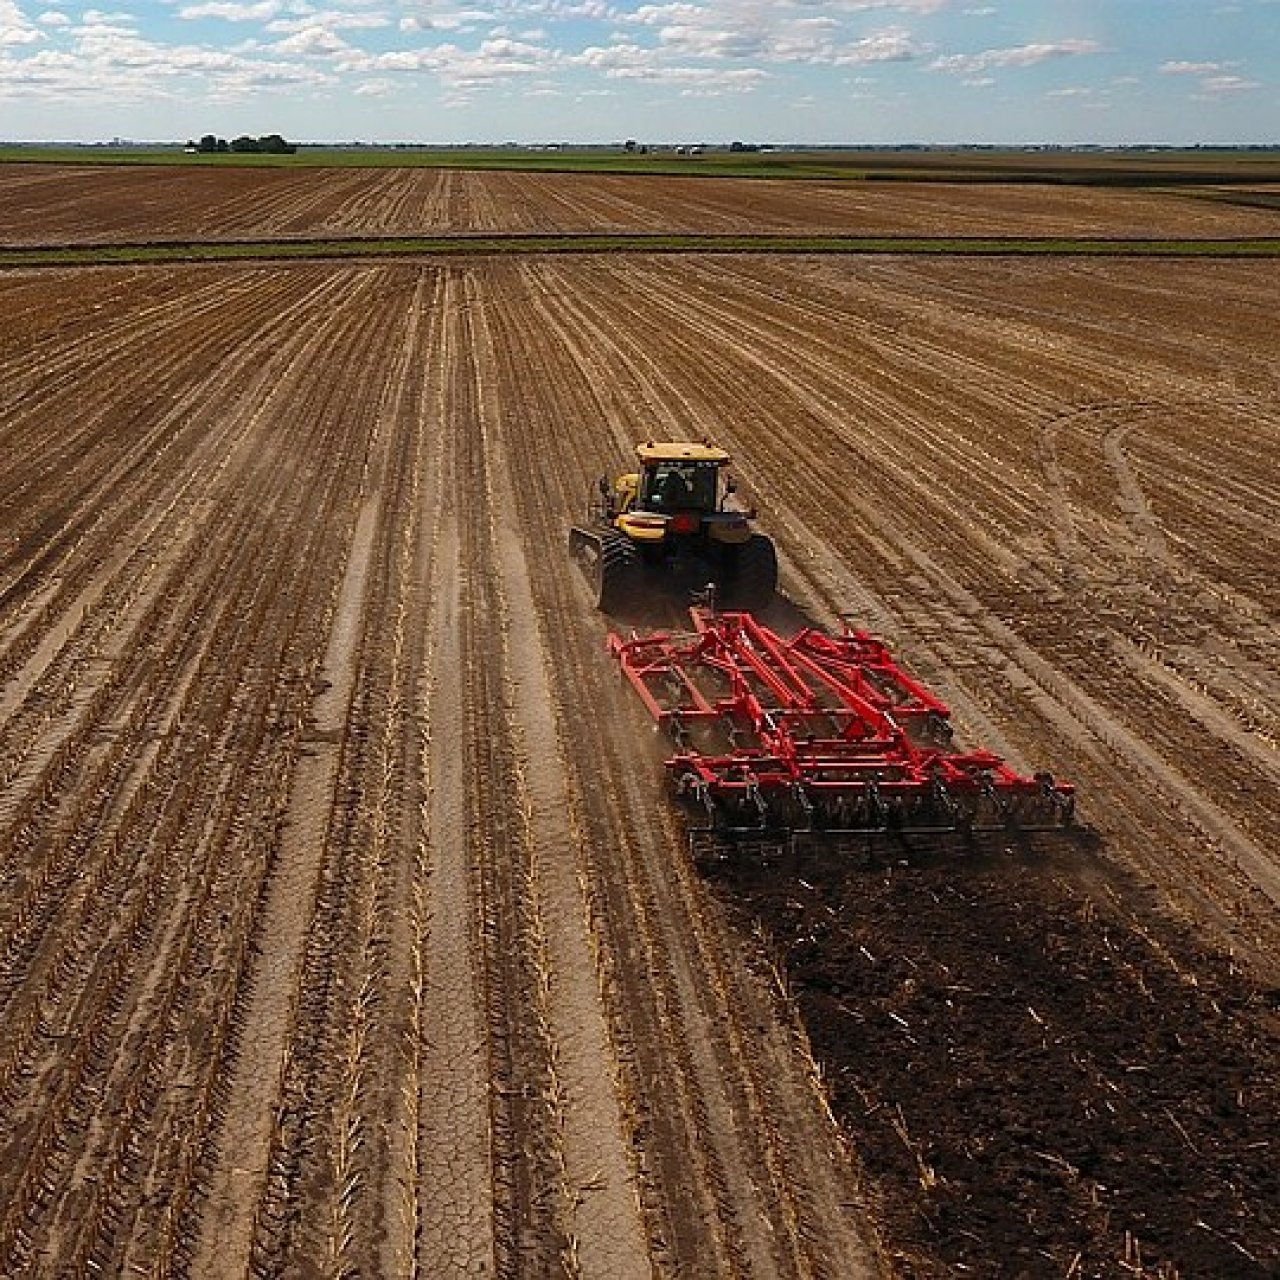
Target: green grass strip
x=1125, y=167
x=497, y=245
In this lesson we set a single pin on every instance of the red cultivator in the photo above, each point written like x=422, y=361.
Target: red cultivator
x=818, y=733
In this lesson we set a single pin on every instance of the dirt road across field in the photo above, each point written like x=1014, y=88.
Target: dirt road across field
x=345, y=925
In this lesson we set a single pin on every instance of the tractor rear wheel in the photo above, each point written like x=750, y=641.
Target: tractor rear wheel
x=755, y=573
x=617, y=572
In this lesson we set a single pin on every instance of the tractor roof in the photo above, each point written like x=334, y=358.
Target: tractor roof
x=680, y=451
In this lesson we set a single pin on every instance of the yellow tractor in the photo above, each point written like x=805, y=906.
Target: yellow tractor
x=675, y=522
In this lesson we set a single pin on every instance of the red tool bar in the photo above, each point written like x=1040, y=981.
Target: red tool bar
x=867, y=664
x=814, y=725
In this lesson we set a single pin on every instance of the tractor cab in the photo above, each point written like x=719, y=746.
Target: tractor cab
x=673, y=521
x=681, y=483
x=668, y=486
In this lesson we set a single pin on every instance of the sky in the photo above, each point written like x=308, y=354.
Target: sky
x=1112, y=72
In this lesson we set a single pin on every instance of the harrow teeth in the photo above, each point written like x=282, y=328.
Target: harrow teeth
x=818, y=734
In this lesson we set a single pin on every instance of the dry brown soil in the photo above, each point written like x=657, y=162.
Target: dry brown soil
x=57, y=204
x=345, y=926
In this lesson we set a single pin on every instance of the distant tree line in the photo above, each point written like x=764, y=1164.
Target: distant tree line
x=271, y=144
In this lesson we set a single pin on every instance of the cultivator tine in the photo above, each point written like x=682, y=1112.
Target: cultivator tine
x=804, y=806
x=878, y=812
x=1050, y=808
x=938, y=730
x=690, y=786
x=995, y=803
x=942, y=801
x=776, y=737
x=1064, y=804
x=1061, y=800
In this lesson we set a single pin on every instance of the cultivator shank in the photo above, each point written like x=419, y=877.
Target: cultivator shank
x=818, y=733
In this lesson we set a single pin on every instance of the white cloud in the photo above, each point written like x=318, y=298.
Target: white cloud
x=312, y=42
x=569, y=10
x=703, y=42
x=705, y=78
x=1216, y=85
x=1217, y=79
x=1025, y=55
x=891, y=45
x=822, y=47
x=778, y=33
x=453, y=20
x=317, y=36
x=15, y=29
x=1189, y=68
x=657, y=15
x=461, y=72
x=334, y=20
x=867, y=6
x=232, y=11
x=603, y=58
x=634, y=62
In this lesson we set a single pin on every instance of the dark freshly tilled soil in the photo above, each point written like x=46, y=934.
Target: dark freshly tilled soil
x=1041, y=1076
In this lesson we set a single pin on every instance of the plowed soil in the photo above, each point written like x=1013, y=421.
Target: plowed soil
x=1072, y=1086
x=55, y=204
x=345, y=924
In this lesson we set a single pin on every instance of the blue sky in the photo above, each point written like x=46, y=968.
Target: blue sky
x=844, y=71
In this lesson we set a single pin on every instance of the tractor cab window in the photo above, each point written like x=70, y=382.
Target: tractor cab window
x=680, y=487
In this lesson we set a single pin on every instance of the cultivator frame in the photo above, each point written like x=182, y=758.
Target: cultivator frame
x=818, y=734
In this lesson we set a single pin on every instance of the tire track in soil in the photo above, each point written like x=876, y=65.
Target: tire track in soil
x=453, y=1168
x=602, y=1227
x=358, y=1008
x=239, y=1170
x=758, y=1189
x=530, y=1192
x=372, y=1165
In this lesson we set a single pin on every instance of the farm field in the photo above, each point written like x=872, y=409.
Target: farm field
x=345, y=923
x=63, y=204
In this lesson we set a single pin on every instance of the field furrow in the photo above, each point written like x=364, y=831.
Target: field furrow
x=72, y=204
x=346, y=923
